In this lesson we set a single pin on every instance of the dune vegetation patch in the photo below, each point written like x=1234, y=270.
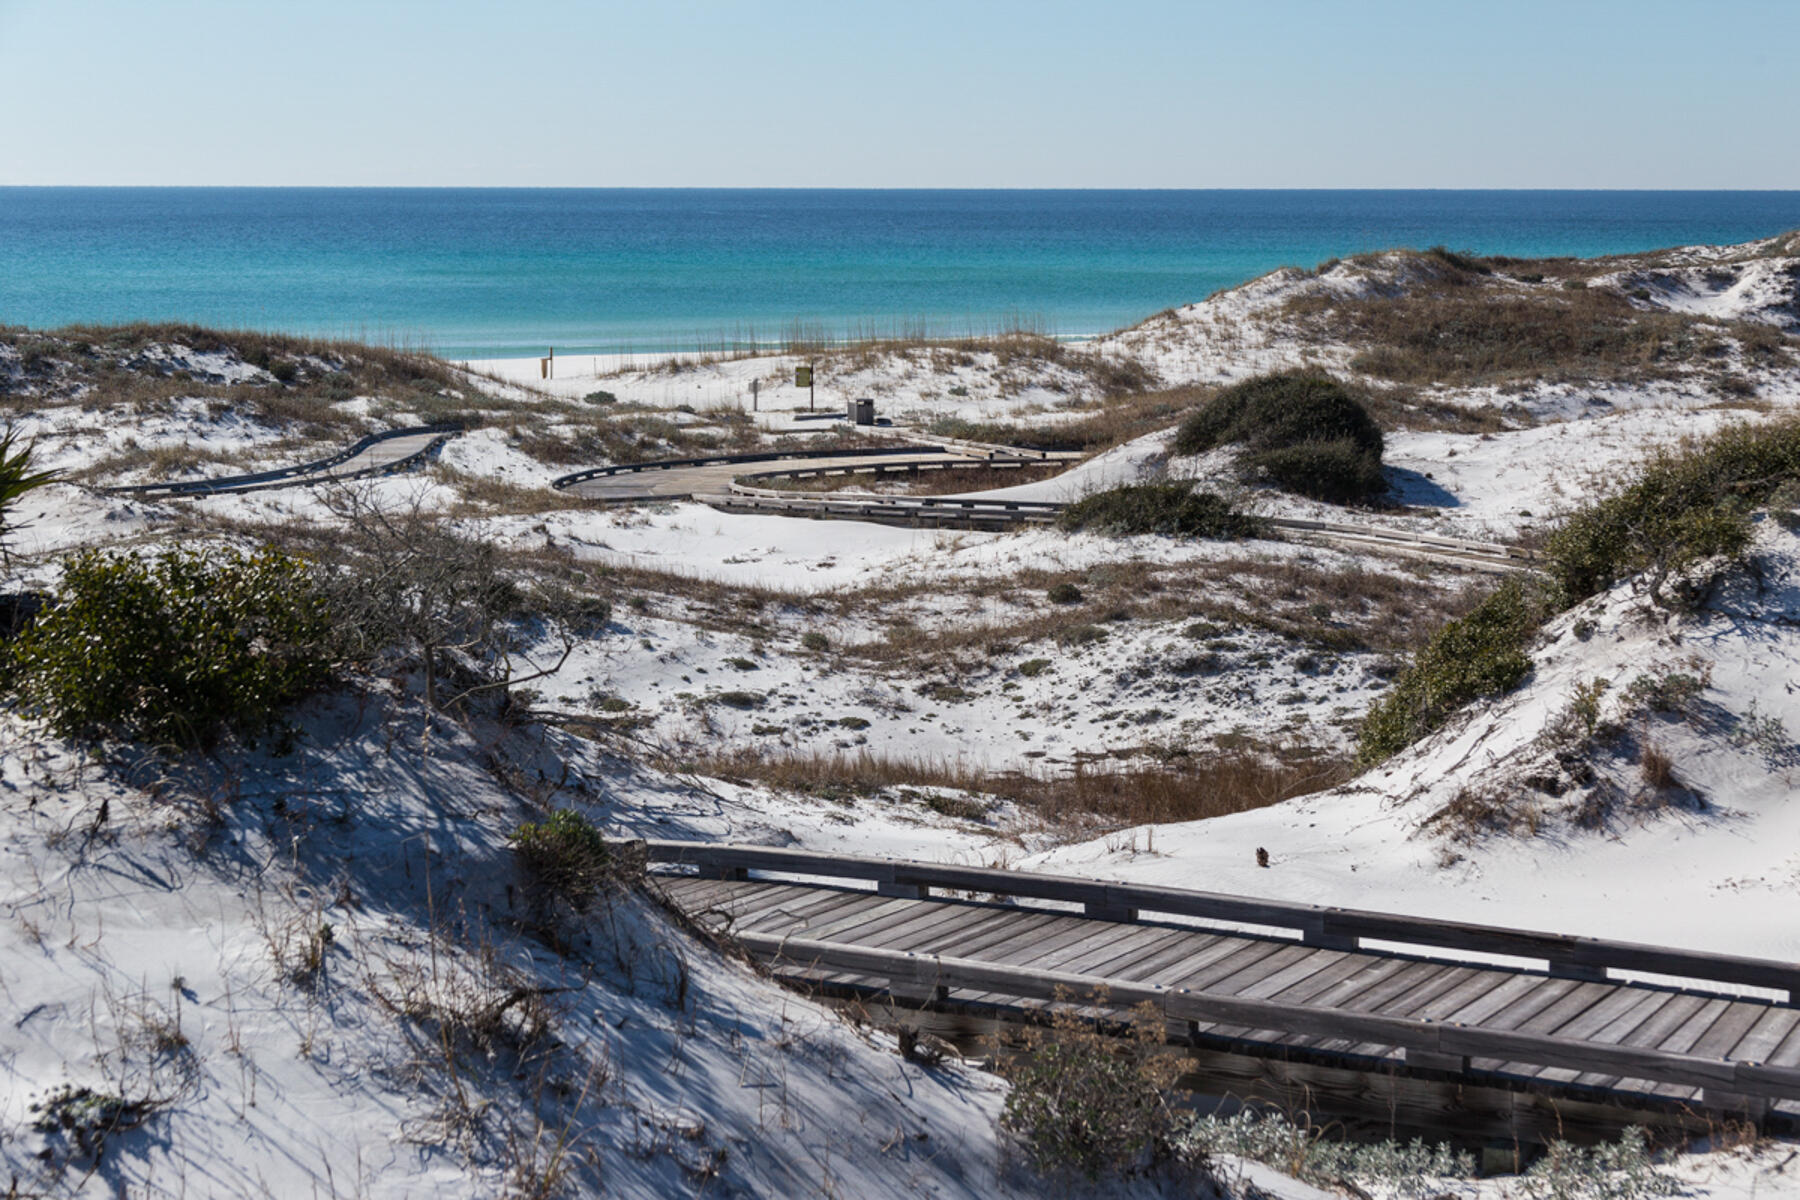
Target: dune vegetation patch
x=1307, y=434
x=1171, y=509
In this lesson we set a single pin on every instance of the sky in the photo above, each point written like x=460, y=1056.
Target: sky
x=902, y=93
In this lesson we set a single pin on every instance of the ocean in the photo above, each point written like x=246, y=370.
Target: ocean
x=503, y=272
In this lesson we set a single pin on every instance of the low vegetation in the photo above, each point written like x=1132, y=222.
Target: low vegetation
x=1084, y=1102
x=1192, y=787
x=178, y=649
x=562, y=861
x=1481, y=654
x=1456, y=323
x=1687, y=505
x=1172, y=509
x=1621, y=1170
x=1306, y=434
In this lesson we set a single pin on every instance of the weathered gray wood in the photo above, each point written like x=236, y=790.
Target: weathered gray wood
x=1763, y=1037
x=1665, y=1021
x=1566, y=952
x=1694, y=1028
x=797, y=912
x=1728, y=1030
x=951, y=931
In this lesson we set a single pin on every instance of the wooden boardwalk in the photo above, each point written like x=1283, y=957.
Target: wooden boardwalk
x=1687, y=1037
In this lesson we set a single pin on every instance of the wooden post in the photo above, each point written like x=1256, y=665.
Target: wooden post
x=755, y=386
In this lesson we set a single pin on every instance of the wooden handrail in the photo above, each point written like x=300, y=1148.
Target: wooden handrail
x=1581, y=957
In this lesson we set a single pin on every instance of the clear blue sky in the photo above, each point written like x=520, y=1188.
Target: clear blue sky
x=903, y=93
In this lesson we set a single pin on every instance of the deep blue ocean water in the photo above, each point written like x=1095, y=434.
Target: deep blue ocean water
x=503, y=272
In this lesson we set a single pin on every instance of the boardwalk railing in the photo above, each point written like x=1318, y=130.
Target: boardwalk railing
x=1334, y=928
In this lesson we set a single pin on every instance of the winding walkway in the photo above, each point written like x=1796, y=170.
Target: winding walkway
x=376, y=454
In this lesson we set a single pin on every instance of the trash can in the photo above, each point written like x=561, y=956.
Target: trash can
x=862, y=412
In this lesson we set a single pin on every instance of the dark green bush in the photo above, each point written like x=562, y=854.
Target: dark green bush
x=562, y=859
x=1064, y=593
x=1306, y=433
x=176, y=649
x=1174, y=509
x=1481, y=654
x=1686, y=506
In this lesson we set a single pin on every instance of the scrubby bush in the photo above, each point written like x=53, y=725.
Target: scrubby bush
x=1481, y=654
x=1064, y=593
x=561, y=860
x=1686, y=506
x=1086, y=1102
x=1174, y=509
x=1307, y=434
x=176, y=649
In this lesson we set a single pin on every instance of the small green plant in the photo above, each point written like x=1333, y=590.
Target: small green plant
x=1481, y=654
x=285, y=370
x=1090, y=1103
x=740, y=700
x=1031, y=668
x=815, y=641
x=742, y=664
x=600, y=397
x=1307, y=434
x=857, y=723
x=1171, y=509
x=1064, y=593
x=177, y=649
x=561, y=860
x=1667, y=691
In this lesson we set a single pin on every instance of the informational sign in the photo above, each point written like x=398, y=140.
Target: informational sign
x=803, y=377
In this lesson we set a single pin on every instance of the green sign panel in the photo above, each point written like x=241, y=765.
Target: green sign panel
x=803, y=377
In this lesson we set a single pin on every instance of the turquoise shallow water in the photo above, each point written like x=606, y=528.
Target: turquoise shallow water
x=510, y=272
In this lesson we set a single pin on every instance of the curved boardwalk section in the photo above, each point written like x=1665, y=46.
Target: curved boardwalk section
x=376, y=454
x=1365, y=992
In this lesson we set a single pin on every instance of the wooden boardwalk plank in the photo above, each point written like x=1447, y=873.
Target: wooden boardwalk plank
x=934, y=929
x=1737, y=1020
x=798, y=914
x=1763, y=1037
x=1695, y=1027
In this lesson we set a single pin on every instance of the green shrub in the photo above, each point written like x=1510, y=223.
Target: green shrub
x=1064, y=593
x=1686, y=506
x=1033, y=667
x=1481, y=654
x=1174, y=509
x=16, y=478
x=1307, y=434
x=814, y=641
x=1083, y=1101
x=562, y=859
x=178, y=649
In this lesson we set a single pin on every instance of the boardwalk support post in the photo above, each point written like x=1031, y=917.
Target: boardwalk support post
x=1315, y=932
x=1432, y=1060
x=1735, y=1103
x=903, y=891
